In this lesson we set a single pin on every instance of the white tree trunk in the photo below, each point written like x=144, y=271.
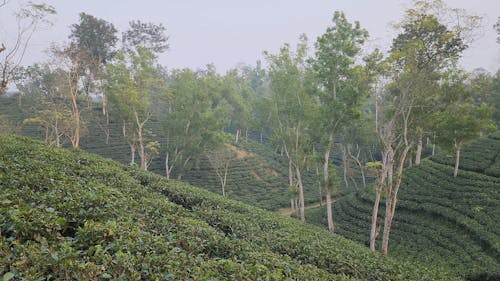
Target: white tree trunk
x=418, y=155
x=301, y=193
x=326, y=160
x=376, y=204
x=457, y=160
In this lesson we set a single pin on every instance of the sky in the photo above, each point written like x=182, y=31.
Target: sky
x=229, y=32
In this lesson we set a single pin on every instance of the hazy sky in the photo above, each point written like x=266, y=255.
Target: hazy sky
x=228, y=32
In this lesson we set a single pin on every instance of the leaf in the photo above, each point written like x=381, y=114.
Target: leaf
x=7, y=276
x=106, y=276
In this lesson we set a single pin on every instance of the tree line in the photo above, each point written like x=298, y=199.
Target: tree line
x=307, y=104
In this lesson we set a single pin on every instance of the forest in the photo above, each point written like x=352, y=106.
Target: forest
x=365, y=145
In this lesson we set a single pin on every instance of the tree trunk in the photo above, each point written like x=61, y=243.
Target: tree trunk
x=104, y=104
x=419, y=148
x=301, y=192
x=326, y=160
x=373, y=229
x=75, y=140
x=20, y=101
x=392, y=196
x=457, y=159
x=358, y=162
x=107, y=131
x=320, y=188
x=388, y=202
x=132, y=154
x=142, y=153
x=344, y=164
x=140, y=140
x=376, y=204
x=237, y=137
x=168, y=169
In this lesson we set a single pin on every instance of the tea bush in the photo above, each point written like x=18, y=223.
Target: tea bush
x=71, y=215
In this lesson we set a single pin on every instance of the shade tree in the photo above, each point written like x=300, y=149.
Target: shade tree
x=92, y=42
x=340, y=86
x=30, y=18
x=293, y=106
x=431, y=39
x=131, y=82
x=193, y=122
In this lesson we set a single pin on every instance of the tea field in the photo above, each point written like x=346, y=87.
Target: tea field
x=440, y=219
x=71, y=215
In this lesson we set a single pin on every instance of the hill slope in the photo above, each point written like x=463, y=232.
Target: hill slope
x=73, y=215
x=257, y=174
x=440, y=219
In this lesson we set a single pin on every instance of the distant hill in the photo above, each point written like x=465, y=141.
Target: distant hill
x=73, y=215
x=454, y=222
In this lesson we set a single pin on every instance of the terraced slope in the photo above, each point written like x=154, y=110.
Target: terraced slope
x=75, y=216
x=257, y=175
x=440, y=219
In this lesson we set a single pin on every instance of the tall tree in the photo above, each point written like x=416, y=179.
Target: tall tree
x=93, y=39
x=193, y=122
x=464, y=115
x=238, y=94
x=150, y=36
x=426, y=46
x=47, y=89
x=341, y=91
x=497, y=28
x=63, y=60
x=293, y=106
x=131, y=81
x=29, y=19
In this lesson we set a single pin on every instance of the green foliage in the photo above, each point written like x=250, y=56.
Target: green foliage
x=257, y=176
x=440, y=220
x=150, y=36
x=96, y=37
x=73, y=215
x=194, y=121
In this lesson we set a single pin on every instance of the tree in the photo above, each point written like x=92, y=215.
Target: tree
x=497, y=28
x=63, y=59
x=92, y=42
x=193, y=122
x=464, y=117
x=290, y=83
x=150, y=36
x=341, y=92
x=237, y=92
x=131, y=81
x=47, y=87
x=220, y=159
x=29, y=19
x=427, y=45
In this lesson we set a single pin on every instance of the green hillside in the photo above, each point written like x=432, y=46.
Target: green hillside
x=73, y=215
x=257, y=174
x=454, y=222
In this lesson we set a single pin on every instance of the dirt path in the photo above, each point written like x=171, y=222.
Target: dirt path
x=288, y=211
